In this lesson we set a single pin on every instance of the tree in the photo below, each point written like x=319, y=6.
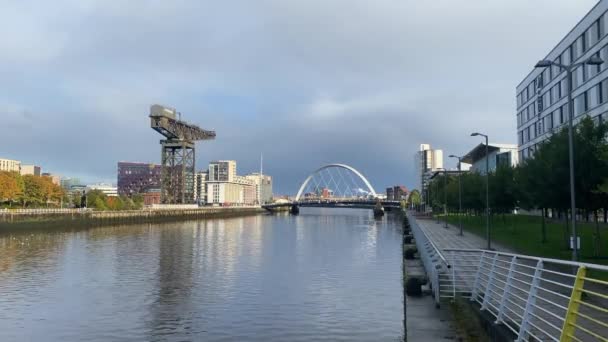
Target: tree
x=414, y=198
x=10, y=187
x=96, y=199
x=33, y=191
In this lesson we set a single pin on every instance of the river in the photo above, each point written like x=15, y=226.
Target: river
x=324, y=275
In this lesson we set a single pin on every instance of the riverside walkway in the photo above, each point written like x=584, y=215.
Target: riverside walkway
x=536, y=299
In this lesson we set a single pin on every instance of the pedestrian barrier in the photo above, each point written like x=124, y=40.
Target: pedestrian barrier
x=433, y=260
x=538, y=299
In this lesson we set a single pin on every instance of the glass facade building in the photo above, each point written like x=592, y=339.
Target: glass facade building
x=137, y=178
x=541, y=97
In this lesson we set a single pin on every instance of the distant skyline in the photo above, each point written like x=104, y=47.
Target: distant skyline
x=306, y=83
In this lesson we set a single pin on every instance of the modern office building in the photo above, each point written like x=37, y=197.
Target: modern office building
x=224, y=193
x=427, y=161
x=107, y=189
x=224, y=187
x=222, y=171
x=10, y=165
x=263, y=187
x=249, y=190
x=498, y=154
x=137, y=178
x=69, y=183
x=542, y=95
x=31, y=170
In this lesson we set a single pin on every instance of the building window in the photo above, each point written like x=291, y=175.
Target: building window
x=549, y=122
x=593, y=96
x=565, y=56
x=592, y=34
x=580, y=104
x=562, y=109
x=604, y=91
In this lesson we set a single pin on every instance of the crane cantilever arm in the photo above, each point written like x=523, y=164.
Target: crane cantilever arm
x=176, y=129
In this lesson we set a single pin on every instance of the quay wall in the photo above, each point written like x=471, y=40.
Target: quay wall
x=46, y=218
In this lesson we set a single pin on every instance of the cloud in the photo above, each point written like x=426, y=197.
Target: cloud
x=304, y=82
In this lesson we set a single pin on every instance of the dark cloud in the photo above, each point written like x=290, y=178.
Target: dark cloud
x=306, y=83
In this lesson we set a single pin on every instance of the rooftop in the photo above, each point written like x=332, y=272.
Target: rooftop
x=479, y=151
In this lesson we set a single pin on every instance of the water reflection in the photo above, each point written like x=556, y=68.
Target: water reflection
x=325, y=274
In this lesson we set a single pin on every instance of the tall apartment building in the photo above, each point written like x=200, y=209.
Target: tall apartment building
x=542, y=95
x=396, y=193
x=137, y=178
x=10, y=165
x=427, y=161
x=31, y=170
x=222, y=171
x=263, y=187
x=200, y=186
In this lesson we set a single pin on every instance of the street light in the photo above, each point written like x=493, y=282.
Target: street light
x=445, y=196
x=459, y=192
x=593, y=60
x=487, y=189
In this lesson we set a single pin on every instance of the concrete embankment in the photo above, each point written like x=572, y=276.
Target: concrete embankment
x=32, y=219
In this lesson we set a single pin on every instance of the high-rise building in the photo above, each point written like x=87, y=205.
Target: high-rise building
x=30, y=170
x=541, y=96
x=200, y=186
x=427, y=161
x=396, y=193
x=10, y=165
x=390, y=194
x=222, y=171
x=263, y=187
x=137, y=178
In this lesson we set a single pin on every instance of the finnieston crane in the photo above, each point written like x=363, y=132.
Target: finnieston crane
x=177, y=153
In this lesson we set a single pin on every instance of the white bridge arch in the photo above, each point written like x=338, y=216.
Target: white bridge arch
x=342, y=166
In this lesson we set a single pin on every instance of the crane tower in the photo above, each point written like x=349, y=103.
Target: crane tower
x=177, y=153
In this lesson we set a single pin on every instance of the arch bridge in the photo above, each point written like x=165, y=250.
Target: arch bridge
x=335, y=186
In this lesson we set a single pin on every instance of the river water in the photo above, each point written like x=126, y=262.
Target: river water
x=324, y=275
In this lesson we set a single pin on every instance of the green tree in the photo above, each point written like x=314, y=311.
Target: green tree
x=33, y=191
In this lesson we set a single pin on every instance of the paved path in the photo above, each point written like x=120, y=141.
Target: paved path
x=445, y=238
x=450, y=238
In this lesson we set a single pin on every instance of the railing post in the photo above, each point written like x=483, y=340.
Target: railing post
x=488, y=292
x=453, y=266
x=530, y=303
x=506, y=292
x=475, y=290
x=569, y=327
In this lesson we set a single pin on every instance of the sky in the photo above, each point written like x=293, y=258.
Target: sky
x=306, y=82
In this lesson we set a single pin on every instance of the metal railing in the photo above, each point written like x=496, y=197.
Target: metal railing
x=433, y=260
x=43, y=211
x=538, y=299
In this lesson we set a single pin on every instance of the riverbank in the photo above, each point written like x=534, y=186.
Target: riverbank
x=61, y=218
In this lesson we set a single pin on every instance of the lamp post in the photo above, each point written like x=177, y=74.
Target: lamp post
x=445, y=197
x=593, y=60
x=489, y=246
x=459, y=193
